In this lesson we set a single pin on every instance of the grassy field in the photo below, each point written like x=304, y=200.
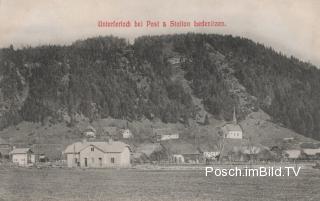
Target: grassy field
x=75, y=185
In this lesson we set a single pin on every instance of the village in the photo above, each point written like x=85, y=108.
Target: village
x=119, y=151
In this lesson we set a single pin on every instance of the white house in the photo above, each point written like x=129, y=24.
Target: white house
x=90, y=132
x=98, y=154
x=168, y=137
x=21, y=156
x=311, y=152
x=292, y=153
x=232, y=130
x=211, y=155
x=126, y=134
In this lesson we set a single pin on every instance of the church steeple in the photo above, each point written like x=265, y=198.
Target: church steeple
x=234, y=115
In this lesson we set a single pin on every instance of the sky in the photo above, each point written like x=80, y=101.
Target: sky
x=289, y=26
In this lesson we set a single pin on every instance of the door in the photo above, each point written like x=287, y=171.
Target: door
x=100, y=162
x=85, y=162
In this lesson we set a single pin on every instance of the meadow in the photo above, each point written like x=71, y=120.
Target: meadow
x=20, y=184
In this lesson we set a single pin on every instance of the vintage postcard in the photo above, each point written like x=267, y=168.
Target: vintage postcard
x=163, y=100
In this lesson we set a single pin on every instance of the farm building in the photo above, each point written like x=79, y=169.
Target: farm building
x=210, y=153
x=292, y=154
x=311, y=153
x=126, y=134
x=310, y=150
x=90, y=132
x=232, y=130
x=5, y=149
x=22, y=156
x=98, y=154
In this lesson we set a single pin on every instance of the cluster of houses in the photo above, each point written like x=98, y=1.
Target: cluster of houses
x=92, y=153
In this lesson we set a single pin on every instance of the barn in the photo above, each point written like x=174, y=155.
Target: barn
x=111, y=154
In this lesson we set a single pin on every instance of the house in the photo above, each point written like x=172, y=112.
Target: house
x=90, y=132
x=98, y=154
x=5, y=149
x=126, y=134
x=232, y=130
x=312, y=153
x=211, y=155
x=292, y=154
x=168, y=137
x=22, y=156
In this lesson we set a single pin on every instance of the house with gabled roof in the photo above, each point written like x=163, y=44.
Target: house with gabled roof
x=22, y=156
x=98, y=154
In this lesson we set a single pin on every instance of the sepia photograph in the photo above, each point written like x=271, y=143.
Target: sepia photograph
x=159, y=100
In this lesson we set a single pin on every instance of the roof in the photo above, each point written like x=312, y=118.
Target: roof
x=90, y=128
x=107, y=147
x=20, y=151
x=311, y=152
x=232, y=127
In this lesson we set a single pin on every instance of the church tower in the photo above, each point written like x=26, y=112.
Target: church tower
x=234, y=116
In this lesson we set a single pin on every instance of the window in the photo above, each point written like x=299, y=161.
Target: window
x=92, y=148
x=112, y=159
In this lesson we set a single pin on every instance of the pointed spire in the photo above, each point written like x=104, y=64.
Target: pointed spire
x=234, y=115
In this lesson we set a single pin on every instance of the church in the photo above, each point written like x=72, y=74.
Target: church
x=232, y=130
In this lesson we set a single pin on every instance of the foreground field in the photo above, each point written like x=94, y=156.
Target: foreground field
x=77, y=185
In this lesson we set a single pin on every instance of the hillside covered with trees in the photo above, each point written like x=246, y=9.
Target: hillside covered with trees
x=108, y=77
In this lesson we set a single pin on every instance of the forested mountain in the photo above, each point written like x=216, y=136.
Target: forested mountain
x=107, y=76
